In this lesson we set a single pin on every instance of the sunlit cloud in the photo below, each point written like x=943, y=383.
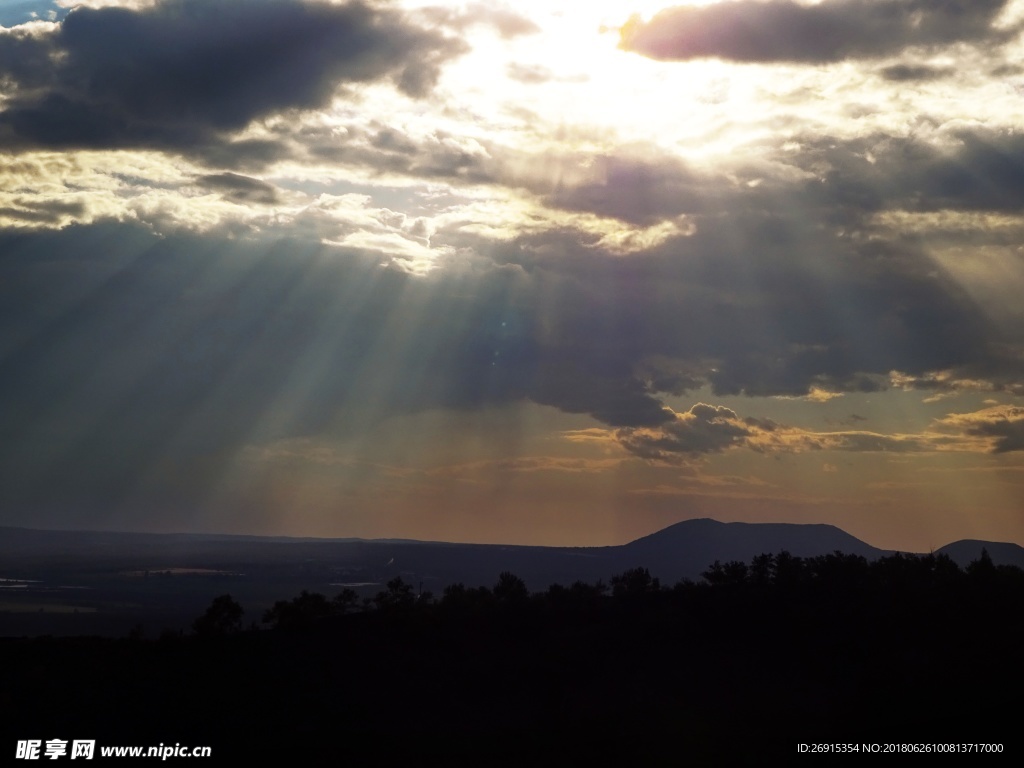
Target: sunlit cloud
x=816, y=395
x=1002, y=424
x=944, y=384
x=782, y=30
x=708, y=429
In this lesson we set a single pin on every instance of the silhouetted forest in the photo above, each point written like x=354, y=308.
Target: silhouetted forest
x=742, y=665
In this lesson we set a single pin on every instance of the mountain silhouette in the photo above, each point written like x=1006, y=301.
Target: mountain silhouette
x=965, y=551
x=684, y=550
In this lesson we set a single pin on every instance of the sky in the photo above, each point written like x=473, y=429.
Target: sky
x=549, y=272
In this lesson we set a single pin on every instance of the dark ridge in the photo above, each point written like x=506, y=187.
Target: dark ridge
x=683, y=550
x=680, y=551
x=966, y=551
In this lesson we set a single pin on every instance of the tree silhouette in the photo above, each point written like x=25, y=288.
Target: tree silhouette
x=788, y=570
x=299, y=612
x=223, y=617
x=732, y=573
x=398, y=596
x=635, y=581
x=983, y=568
x=458, y=598
x=510, y=589
x=345, y=601
x=761, y=568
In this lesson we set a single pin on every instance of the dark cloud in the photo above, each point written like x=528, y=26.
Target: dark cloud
x=778, y=286
x=1004, y=424
x=757, y=303
x=242, y=189
x=241, y=154
x=965, y=169
x=384, y=149
x=42, y=211
x=984, y=172
x=714, y=428
x=641, y=185
x=711, y=429
x=1009, y=435
x=903, y=73
x=1006, y=70
x=582, y=383
x=834, y=30
x=638, y=189
x=702, y=429
x=832, y=181
x=24, y=59
x=185, y=74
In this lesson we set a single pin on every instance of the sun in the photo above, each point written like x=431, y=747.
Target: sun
x=570, y=85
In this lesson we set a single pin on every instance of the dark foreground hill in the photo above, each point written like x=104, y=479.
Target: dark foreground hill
x=898, y=654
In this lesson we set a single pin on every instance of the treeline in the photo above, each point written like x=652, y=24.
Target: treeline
x=734, y=669
x=829, y=583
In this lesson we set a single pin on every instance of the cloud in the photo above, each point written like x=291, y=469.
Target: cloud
x=760, y=304
x=27, y=211
x=861, y=442
x=776, y=275
x=833, y=30
x=638, y=187
x=241, y=189
x=1003, y=424
x=707, y=429
x=740, y=304
x=702, y=429
x=186, y=74
x=943, y=383
x=507, y=23
x=385, y=150
x=963, y=167
x=850, y=184
x=903, y=73
x=816, y=395
x=793, y=286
